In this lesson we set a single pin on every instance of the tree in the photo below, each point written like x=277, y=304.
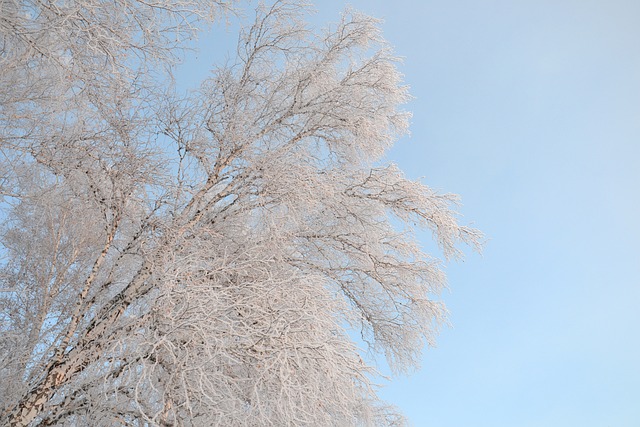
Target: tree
x=200, y=259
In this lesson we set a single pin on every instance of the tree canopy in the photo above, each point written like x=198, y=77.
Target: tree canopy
x=200, y=259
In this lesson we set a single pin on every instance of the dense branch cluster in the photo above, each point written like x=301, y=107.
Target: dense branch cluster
x=201, y=260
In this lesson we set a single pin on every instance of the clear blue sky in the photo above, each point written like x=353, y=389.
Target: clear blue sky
x=529, y=109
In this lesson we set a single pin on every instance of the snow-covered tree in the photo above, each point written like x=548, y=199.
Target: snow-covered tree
x=199, y=260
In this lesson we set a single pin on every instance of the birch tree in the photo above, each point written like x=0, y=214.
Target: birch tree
x=202, y=259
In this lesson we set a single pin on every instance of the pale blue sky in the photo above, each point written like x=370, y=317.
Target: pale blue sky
x=529, y=109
